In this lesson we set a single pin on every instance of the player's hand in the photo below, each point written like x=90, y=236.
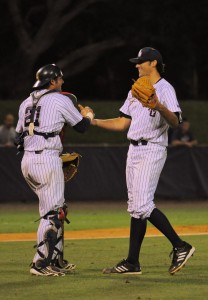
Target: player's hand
x=153, y=103
x=86, y=112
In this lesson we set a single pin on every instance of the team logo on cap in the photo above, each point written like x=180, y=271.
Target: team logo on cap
x=140, y=53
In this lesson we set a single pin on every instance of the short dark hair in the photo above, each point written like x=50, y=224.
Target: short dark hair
x=160, y=68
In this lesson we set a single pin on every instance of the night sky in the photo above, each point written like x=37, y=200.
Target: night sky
x=92, y=41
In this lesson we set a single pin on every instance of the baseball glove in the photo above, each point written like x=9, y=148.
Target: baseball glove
x=143, y=90
x=70, y=164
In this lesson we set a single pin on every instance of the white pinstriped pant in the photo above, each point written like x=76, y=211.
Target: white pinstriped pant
x=143, y=169
x=43, y=173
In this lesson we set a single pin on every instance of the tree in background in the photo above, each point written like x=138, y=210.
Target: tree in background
x=53, y=31
x=92, y=40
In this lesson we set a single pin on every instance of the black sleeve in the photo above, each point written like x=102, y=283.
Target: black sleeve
x=82, y=126
x=124, y=115
x=179, y=116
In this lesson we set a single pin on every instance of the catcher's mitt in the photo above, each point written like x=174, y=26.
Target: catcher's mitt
x=70, y=164
x=143, y=90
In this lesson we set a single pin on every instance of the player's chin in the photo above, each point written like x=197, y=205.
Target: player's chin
x=143, y=74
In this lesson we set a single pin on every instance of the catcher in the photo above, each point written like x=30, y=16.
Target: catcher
x=41, y=118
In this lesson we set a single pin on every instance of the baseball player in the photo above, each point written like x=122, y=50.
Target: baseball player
x=41, y=118
x=147, y=133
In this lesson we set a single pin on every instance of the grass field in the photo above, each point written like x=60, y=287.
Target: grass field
x=91, y=256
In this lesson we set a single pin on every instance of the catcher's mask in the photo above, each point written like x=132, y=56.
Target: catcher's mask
x=45, y=74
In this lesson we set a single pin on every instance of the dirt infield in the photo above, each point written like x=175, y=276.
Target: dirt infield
x=110, y=232
x=104, y=233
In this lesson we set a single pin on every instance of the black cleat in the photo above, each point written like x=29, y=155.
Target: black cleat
x=47, y=271
x=180, y=257
x=65, y=266
x=124, y=267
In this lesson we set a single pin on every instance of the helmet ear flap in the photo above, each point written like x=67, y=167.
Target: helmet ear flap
x=47, y=73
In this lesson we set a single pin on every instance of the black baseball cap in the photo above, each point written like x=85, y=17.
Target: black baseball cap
x=147, y=54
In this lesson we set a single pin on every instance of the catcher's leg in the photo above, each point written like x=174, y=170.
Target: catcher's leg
x=58, y=255
x=47, y=239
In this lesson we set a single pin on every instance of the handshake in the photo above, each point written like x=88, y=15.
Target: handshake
x=86, y=112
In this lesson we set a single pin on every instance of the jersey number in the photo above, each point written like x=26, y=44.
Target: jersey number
x=28, y=116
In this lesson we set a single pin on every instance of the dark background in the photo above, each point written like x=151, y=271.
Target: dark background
x=92, y=41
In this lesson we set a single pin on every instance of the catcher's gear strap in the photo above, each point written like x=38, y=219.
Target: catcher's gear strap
x=60, y=213
x=65, y=209
x=47, y=135
x=35, y=101
x=19, y=141
x=72, y=97
x=59, y=254
x=50, y=241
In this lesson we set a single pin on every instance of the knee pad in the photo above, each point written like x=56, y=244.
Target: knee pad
x=56, y=222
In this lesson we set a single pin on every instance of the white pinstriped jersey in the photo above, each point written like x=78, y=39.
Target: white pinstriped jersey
x=53, y=110
x=42, y=170
x=148, y=124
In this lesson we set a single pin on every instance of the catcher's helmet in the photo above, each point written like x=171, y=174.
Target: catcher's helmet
x=46, y=74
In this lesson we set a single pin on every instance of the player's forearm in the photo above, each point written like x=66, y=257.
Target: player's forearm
x=116, y=124
x=168, y=115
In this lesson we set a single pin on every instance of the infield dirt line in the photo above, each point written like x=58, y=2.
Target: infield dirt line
x=104, y=233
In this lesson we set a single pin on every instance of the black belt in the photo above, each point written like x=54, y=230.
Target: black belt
x=140, y=142
x=46, y=135
x=38, y=152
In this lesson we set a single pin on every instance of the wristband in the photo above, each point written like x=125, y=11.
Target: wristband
x=90, y=115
